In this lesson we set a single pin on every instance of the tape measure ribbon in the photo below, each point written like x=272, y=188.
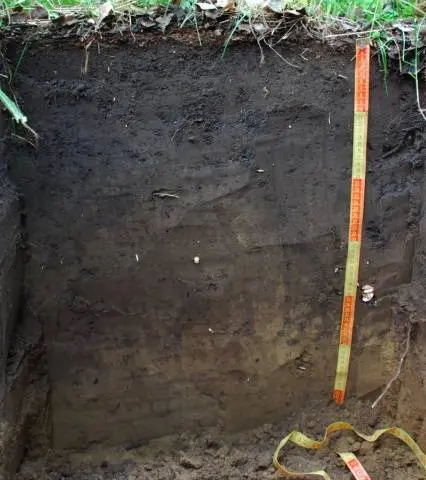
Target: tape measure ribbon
x=350, y=459
x=355, y=466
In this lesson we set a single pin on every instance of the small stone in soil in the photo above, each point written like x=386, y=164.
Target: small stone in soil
x=311, y=424
x=239, y=461
x=263, y=461
x=80, y=88
x=343, y=444
x=190, y=462
x=366, y=448
x=356, y=446
x=223, y=451
x=212, y=443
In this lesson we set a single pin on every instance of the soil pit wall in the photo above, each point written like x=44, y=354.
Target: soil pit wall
x=141, y=341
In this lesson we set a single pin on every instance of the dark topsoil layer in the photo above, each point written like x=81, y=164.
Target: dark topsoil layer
x=139, y=341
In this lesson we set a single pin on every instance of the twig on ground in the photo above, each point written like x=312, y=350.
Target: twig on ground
x=258, y=40
x=282, y=58
x=417, y=73
x=301, y=55
x=165, y=195
x=287, y=34
x=277, y=26
x=364, y=32
x=86, y=58
x=419, y=106
x=398, y=372
x=33, y=144
x=178, y=129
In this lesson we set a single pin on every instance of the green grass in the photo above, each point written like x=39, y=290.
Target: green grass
x=11, y=106
x=376, y=11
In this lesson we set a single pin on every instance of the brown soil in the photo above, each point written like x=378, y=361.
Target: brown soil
x=139, y=342
x=214, y=455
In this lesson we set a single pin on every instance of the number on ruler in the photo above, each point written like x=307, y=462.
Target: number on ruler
x=339, y=396
x=357, y=198
x=352, y=266
x=347, y=320
x=343, y=358
x=362, y=79
x=358, y=470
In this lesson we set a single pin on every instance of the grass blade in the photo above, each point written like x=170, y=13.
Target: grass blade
x=15, y=111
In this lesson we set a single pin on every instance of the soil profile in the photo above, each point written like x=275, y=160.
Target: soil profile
x=129, y=357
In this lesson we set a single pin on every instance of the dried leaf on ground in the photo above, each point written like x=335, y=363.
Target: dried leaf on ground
x=226, y=4
x=214, y=15
x=276, y=6
x=104, y=10
x=67, y=20
x=39, y=12
x=164, y=21
x=147, y=23
x=260, y=28
x=244, y=27
x=206, y=6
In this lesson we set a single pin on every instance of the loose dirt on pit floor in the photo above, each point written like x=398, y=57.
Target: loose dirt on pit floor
x=162, y=152
x=214, y=455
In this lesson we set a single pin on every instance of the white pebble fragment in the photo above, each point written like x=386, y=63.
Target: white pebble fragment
x=260, y=170
x=137, y=257
x=211, y=330
x=196, y=260
x=367, y=293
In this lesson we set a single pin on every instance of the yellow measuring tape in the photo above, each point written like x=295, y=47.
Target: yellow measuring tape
x=350, y=459
x=359, y=161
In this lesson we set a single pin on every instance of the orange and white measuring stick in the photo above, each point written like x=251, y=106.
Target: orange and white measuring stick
x=359, y=162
